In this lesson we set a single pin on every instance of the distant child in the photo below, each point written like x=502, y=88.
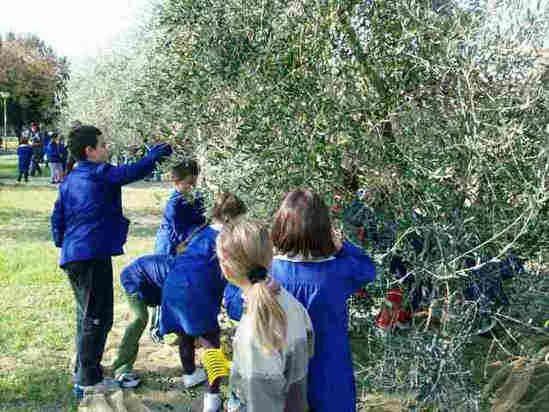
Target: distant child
x=24, y=154
x=322, y=274
x=183, y=213
x=89, y=227
x=63, y=154
x=192, y=294
x=36, y=145
x=274, y=340
x=53, y=155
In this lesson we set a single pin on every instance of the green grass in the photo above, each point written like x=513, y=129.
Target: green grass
x=8, y=167
x=36, y=306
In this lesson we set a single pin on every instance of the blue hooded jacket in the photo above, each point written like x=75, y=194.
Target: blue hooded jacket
x=87, y=220
x=24, y=153
x=179, y=220
x=145, y=277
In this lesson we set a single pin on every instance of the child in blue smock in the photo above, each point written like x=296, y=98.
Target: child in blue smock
x=322, y=274
x=192, y=293
x=53, y=155
x=183, y=213
x=24, y=154
x=142, y=281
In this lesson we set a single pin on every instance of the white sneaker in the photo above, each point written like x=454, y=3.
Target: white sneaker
x=212, y=402
x=128, y=380
x=195, y=378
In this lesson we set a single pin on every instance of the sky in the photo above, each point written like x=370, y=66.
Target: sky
x=77, y=29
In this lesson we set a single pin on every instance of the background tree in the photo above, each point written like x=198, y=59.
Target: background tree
x=35, y=77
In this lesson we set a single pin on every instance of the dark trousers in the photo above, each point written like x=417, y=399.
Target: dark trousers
x=91, y=281
x=210, y=340
x=35, y=167
x=24, y=173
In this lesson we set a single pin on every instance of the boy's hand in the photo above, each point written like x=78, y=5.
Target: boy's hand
x=160, y=150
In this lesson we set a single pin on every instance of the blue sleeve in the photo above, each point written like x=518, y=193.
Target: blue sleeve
x=360, y=268
x=58, y=222
x=129, y=173
x=232, y=299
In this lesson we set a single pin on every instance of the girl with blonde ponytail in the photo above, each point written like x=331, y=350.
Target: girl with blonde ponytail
x=273, y=342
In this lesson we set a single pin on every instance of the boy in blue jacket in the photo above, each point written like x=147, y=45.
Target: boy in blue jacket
x=24, y=154
x=89, y=227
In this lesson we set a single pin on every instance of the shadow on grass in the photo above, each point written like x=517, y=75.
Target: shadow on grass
x=23, y=225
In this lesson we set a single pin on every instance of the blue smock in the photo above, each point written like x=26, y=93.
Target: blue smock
x=323, y=287
x=24, y=154
x=179, y=220
x=192, y=293
x=145, y=277
x=53, y=153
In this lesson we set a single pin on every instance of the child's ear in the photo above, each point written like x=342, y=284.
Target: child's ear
x=87, y=150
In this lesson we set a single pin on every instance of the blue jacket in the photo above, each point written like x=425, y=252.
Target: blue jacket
x=145, y=277
x=192, y=293
x=24, y=154
x=323, y=288
x=87, y=220
x=180, y=218
x=53, y=153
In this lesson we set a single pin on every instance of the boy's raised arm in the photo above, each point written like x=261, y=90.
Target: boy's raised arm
x=122, y=175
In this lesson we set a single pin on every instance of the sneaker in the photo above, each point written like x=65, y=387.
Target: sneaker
x=212, y=402
x=106, y=385
x=195, y=378
x=128, y=380
x=78, y=392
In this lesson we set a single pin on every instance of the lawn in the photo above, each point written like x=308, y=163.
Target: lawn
x=37, y=309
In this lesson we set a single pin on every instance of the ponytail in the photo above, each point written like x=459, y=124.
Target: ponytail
x=245, y=251
x=268, y=319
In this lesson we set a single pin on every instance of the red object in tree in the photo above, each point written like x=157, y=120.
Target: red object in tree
x=391, y=314
x=384, y=319
x=395, y=296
